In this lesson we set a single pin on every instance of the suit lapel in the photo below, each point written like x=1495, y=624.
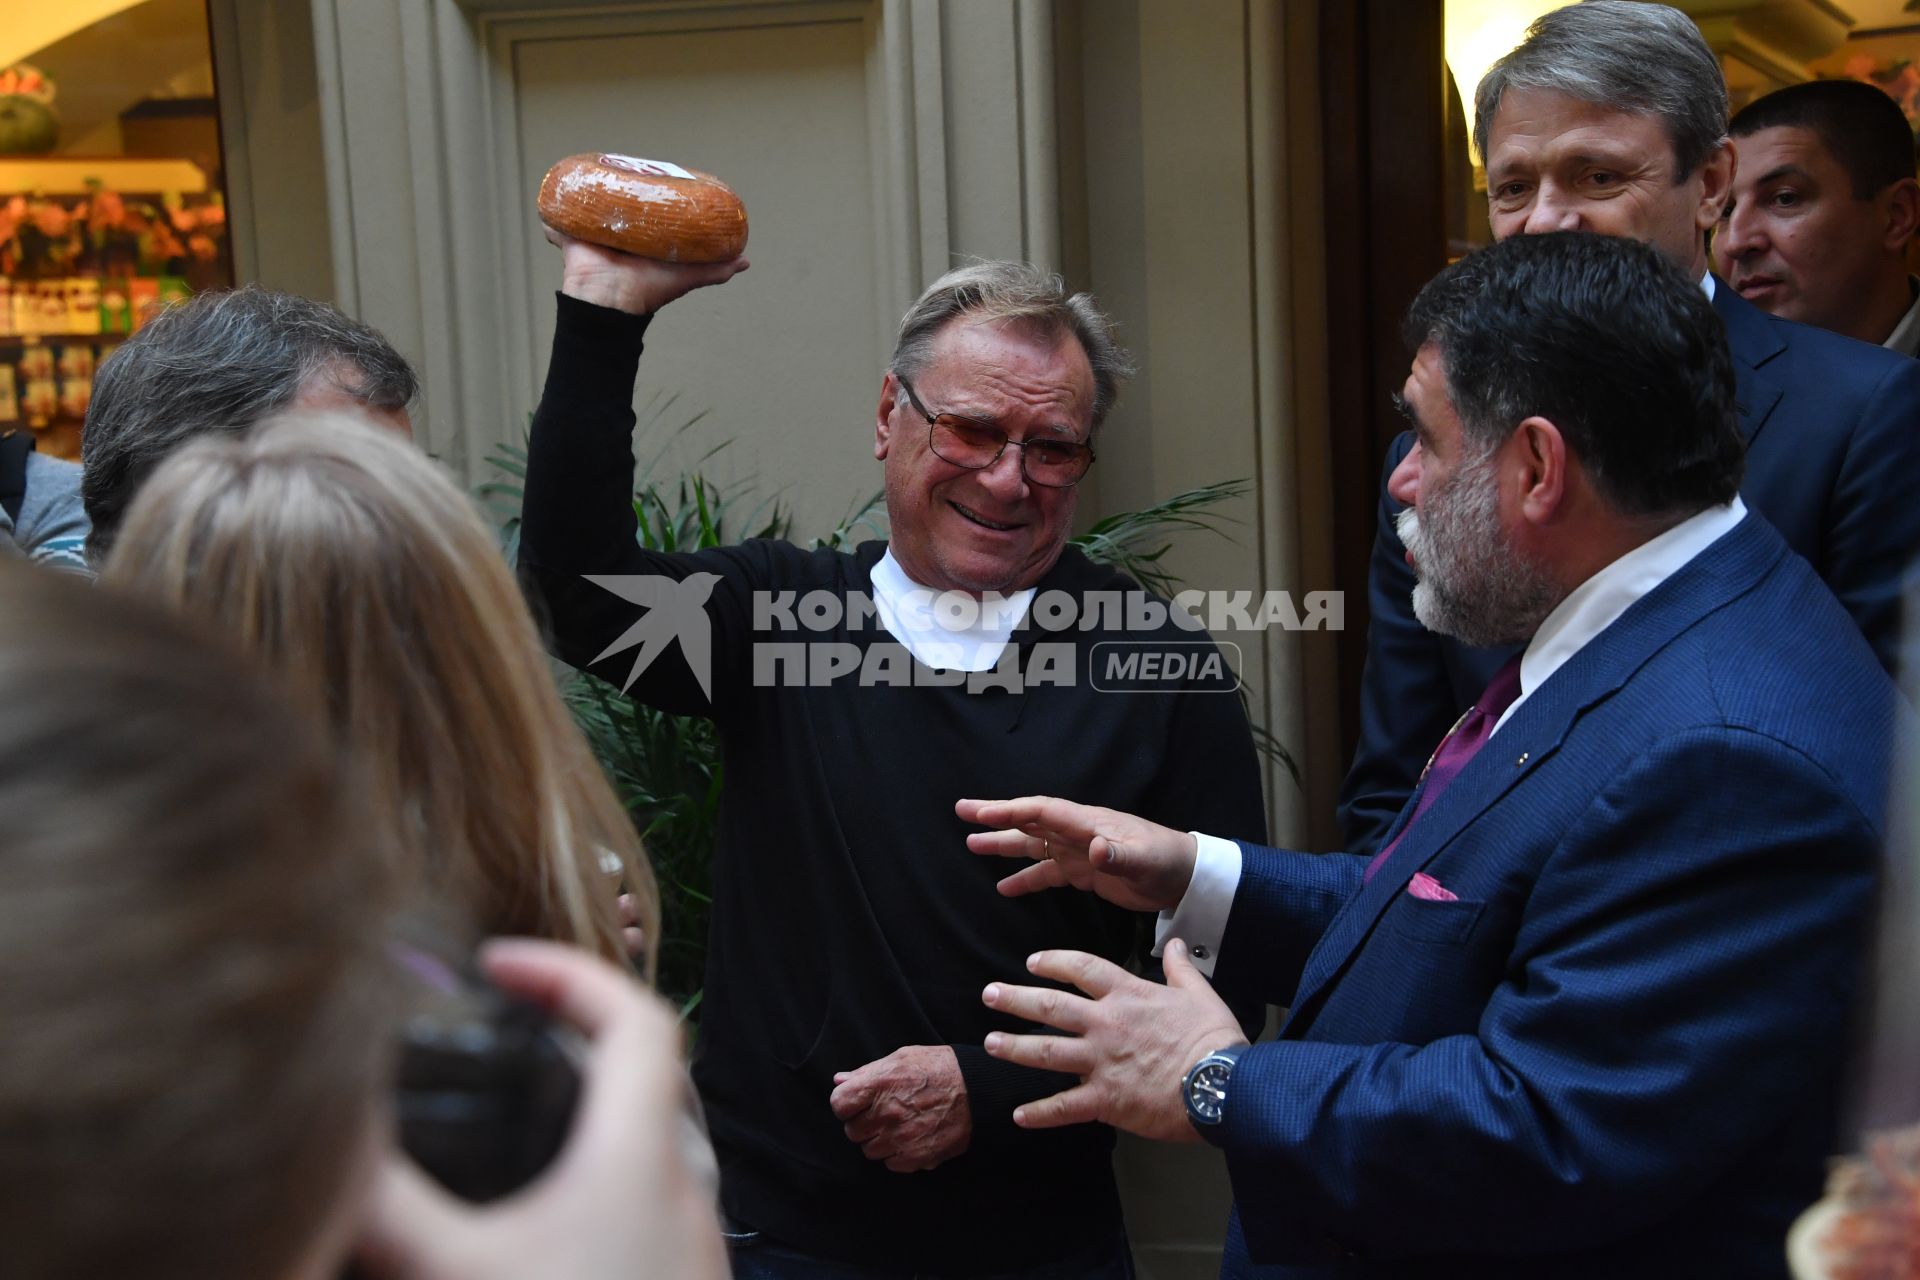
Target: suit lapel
x=1520, y=746
x=1754, y=340
x=1535, y=732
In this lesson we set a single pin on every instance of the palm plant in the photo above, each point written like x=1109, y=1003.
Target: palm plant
x=1134, y=542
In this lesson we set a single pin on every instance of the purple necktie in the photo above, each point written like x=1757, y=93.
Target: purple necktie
x=1460, y=745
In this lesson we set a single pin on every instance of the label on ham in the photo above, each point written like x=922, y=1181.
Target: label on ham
x=651, y=168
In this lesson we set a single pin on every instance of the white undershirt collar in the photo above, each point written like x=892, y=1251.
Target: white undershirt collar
x=945, y=630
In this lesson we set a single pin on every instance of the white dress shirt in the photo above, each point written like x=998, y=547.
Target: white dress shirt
x=1590, y=608
x=1905, y=337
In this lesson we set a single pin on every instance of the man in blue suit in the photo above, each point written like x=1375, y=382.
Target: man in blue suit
x=1612, y=117
x=1583, y=1017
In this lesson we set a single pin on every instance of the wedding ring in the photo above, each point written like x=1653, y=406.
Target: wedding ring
x=1046, y=848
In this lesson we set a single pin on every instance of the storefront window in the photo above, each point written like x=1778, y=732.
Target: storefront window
x=111, y=195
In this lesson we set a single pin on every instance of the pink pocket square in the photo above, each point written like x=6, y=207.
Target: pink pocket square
x=1425, y=886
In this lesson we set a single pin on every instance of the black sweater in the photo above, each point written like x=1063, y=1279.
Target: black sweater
x=849, y=918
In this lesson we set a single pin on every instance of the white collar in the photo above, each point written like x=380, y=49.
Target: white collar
x=1597, y=603
x=1905, y=337
x=945, y=630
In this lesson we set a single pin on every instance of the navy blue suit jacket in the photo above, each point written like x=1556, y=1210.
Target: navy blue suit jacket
x=1833, y=443
x=1618, y=1052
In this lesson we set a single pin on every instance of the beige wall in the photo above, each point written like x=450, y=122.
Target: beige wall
x=1196, y=179
x=785, y=360
x=832, y=116
x=1190, y=202
x=264, y=64
x=1161, y=152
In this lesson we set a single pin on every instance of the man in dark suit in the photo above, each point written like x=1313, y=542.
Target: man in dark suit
x=1824, y=205
x=1612, y=117
x=1583, y=1016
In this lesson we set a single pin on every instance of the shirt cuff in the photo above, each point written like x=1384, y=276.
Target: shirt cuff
x=1200, y=919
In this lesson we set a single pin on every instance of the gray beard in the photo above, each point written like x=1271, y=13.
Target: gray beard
x=1472, y=585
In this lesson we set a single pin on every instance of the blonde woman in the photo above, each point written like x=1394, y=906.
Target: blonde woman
x=361, y=573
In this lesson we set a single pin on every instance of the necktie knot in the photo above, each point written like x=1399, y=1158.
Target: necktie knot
x=1476, y=726
x=1501, y=690
x=1460, y=745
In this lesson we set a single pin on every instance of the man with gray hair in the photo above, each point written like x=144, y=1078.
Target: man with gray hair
x=861, y=1127
x=221, y=362
x=1611, y=117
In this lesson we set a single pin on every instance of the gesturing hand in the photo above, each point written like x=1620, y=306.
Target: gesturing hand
x=1128, y=861
x=908, y=1109
x=627, y=282
x=1131, y=1045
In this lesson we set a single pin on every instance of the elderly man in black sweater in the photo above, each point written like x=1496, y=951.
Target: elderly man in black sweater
x=861, y=1128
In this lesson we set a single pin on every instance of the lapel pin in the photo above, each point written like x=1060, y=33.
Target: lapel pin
x=1522, y=760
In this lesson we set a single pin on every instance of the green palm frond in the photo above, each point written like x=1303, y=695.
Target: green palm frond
x=870, y=515
x=1135, y=541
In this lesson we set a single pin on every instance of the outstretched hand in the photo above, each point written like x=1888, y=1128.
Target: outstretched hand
x=1128, y=861
x=1131, y=1044
x=627, y=282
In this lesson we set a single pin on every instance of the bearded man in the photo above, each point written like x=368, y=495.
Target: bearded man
x=1584, y=1016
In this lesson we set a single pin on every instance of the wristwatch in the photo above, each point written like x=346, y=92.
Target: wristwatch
x=1205, y=1088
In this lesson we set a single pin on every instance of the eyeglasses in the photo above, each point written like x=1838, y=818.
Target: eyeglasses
x=977, y=445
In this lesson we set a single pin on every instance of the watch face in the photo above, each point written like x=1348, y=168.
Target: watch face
x=1207, y=1091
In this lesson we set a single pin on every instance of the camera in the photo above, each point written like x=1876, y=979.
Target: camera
x=487, y=1083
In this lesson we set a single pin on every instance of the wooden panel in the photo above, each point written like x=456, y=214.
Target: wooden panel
x=1383, y=100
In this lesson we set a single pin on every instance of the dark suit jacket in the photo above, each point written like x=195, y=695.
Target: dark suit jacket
x=1833, y=441
x=1617, y=1054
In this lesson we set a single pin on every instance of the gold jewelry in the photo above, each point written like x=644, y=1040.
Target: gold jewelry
x=1046, y=848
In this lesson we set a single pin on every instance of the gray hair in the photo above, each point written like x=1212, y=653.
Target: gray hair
x=217, y=364
x=1021, y=294
x=1645, y=58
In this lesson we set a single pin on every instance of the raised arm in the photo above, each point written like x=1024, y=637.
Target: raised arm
x=578, y=518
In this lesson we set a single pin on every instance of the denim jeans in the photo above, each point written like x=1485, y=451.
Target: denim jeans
x=757, y=1258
